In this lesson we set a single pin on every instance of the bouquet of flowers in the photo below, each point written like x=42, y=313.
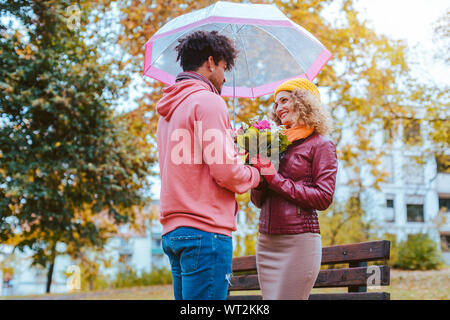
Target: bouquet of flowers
x=261, y=136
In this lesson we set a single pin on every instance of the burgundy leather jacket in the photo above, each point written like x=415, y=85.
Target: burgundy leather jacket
x=304, y=183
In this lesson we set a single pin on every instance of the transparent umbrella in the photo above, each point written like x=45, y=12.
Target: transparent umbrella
x=272, y=48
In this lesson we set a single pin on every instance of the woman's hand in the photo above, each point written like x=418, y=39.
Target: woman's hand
x=264, y=166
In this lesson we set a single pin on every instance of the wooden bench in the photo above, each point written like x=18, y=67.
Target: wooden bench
x=355, y=278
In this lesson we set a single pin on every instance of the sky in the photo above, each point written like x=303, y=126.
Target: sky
x=405, y=19
x=410, y=20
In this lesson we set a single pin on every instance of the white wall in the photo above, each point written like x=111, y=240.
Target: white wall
x=409, y=183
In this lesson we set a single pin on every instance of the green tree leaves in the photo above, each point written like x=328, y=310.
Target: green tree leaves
x=69, y=171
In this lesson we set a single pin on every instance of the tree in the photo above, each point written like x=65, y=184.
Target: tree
x=343, y=223
x=418, y=252
x=366, y=83
x=67, y=161
x=441, y=129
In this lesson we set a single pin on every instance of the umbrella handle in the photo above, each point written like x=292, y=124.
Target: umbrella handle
x=234, y=83
x=234, y=99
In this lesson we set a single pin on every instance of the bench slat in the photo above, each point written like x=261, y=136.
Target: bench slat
x=329, y=296
x=351, y=296
x=248, y=282
x=333, y=278
x=326, y=279
x=356, y=252
x=365, y=251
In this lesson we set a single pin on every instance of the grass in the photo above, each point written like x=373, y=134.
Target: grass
x=155, y=292
x=420, y=285
x=412, y=285
x=405, y=285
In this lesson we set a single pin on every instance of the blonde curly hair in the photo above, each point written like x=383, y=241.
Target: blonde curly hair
x=308, y=111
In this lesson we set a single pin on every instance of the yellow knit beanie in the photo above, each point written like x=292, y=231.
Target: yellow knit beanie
x=299, y=83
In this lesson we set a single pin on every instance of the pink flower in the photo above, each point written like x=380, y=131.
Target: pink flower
x=261, y=125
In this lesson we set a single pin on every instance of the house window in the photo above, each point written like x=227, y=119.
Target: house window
x=389, y=211
x=444, y=204
x=156, y=246
x=414, y=213
x=411, y=132
x=445, y=242
x=443, y=164
x=156, y=243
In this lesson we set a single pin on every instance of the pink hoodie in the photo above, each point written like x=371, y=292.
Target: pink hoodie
x=199, y=166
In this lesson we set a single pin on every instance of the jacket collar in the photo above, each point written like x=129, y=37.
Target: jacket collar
x=296, y=143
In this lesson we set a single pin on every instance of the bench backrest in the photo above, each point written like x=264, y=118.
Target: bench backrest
x=356, y=278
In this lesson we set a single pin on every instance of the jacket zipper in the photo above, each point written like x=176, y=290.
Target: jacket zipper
x=298, y=211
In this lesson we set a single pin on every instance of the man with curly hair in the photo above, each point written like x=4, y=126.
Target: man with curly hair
x=200, y=169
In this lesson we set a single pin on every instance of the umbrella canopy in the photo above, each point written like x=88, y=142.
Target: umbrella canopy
x=272, y=48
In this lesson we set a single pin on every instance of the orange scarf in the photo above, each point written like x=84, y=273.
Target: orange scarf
x=298, y=132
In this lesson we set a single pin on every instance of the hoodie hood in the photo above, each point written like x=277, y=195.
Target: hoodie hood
x=177, y=93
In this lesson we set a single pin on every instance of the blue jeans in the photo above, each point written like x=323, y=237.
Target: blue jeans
x=201, y=263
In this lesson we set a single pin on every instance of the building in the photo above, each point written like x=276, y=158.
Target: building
x=141, y=251
x=416, y=196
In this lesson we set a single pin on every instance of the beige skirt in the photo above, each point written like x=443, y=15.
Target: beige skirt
x=288, y=265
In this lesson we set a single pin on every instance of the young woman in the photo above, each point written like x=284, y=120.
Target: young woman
x=289, y=247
